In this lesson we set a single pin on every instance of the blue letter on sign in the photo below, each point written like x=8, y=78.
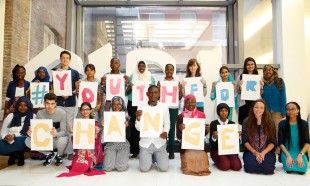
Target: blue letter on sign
x=224, y=95
x=193, y=88
x=250, y=85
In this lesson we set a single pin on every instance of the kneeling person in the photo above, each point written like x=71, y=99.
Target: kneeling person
x=60, y=140
x=153, y=149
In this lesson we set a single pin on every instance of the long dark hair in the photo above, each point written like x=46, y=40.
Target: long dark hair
x=299, y=125
x=267, y=123
x=89, y=106
x=191, y=62
x=245, y=71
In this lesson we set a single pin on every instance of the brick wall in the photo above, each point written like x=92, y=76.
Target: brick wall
x=16, y=30
x=18, y=35
x=51, y=13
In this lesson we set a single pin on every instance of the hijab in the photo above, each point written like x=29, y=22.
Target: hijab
x=47, y=76
x=17, y=115
x=194, y=113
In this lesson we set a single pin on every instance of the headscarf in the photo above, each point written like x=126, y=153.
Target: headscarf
x=47, y=76
x=221, y=106
x=273, y=79
x=137, y=76
x=17, y=116
x=194, y=113
x=122, y=102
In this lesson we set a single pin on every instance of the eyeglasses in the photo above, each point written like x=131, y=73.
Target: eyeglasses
x=85, y=110
x=291, y=110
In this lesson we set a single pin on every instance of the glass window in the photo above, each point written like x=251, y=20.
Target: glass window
x=182, y=32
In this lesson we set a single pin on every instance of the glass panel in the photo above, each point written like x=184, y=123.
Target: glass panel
x=182, y=32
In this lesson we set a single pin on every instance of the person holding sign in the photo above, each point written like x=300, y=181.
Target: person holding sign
x=141, y=73
x=223, y=162
x=153, y=149
x=16, y=89
x=250, y=68
x=193, y=70
x=274, y=94
x=173, y=110
x=259, y=140
x=189, y=158
x=294, y=140
x=60, y=138
x=41, y=75
x=90, y=72
x=14, y=131
x=225, y=76
x=85, y=159
x=68, y=103
x=117, y=153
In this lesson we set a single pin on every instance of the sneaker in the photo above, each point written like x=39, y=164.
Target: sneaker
x=49, y=158
x=58, y=159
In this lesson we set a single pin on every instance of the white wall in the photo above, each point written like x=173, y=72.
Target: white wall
x=291, y=50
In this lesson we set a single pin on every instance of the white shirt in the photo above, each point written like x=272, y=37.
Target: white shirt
x=13, y=130
x=158, y=142
x=221, y=123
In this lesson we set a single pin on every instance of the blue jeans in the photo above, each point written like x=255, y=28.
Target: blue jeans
x=17, y=145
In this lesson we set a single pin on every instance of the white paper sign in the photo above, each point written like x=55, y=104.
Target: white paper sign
x=228, y=139
x=41, y=138
x=225, y=93
x=195, y=87
x=115, y=86
x=114, y=127
x=84, y=134
x=62, y=83
x=169, y=93
x=37, y=92
x=88, y=93
x=139, y=90
x=250, y=87
x=193, y=134
x=151, y=122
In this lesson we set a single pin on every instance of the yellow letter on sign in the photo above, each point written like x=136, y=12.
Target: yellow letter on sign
x=188, y=138
x=114, y=126
x=154, y=122
x=36, y=141
x=88, y=132
x=226, y=137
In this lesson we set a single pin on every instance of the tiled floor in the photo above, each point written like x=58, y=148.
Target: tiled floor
x=33, y=173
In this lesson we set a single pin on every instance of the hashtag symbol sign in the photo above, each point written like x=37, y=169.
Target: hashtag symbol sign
x=39, y=95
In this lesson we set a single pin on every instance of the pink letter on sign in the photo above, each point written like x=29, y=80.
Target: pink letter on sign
x=115, y=90
x=84, y=95
x=173, y=94
x=62, y=80
x=141, y=92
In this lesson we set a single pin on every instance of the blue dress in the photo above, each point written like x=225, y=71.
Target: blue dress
x=294, y=151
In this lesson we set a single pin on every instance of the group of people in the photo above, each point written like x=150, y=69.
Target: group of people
x=268, y=124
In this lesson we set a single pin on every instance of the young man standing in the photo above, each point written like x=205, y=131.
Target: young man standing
x=154, y=149
x=59, y=130
x=68, y=103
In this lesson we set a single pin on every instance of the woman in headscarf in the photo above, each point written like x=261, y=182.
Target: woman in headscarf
x=223, y=162
x=274, y=94
x=141, y=73
x=117, y=153
x=189, y=158
x=85, y=160
x=14, y=131
x=225, y=76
